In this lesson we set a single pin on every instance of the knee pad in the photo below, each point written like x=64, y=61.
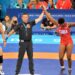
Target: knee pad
x=1, y=59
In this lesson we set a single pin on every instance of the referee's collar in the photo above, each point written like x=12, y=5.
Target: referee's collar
x=25, y=23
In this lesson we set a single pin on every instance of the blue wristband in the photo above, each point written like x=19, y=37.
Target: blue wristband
x=6, y=37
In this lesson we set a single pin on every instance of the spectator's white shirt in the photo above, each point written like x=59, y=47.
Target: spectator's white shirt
x=3, y=27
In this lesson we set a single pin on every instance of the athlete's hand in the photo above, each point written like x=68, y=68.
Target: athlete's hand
x=4, y=43
x=43, y=7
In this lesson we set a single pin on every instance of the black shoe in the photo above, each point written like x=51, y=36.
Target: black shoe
x=62, y=69
x=32, y=73
x=16, y=74
x=1, y=72
x=69, y=71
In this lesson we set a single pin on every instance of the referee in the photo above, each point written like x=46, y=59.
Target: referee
x=25, y=37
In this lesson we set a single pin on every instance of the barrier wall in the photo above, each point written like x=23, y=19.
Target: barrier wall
x=69, y=16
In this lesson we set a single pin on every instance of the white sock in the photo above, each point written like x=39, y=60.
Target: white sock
x=0, y=67
x=69, y=69
x=62, y=67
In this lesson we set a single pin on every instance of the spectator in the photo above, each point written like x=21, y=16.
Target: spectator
x=14, y=22
x=47, y=24
x=44, y=3
x=54, y=2
x=36, y=4
x=20, y=4
x=73, y=4
x=7, y=24
x=63, y=4
x=50, y=4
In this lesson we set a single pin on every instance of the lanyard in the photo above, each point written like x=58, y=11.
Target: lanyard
x=25, y=27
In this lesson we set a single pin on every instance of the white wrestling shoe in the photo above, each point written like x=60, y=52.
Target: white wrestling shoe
x=1, y=73
x=70, y=70
x=62, y=68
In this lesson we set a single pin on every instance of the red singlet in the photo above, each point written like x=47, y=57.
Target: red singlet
x=65, y=35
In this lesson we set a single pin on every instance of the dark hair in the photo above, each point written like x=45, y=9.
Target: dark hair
x=7, y=15
x=25, y=13
x=61, y=20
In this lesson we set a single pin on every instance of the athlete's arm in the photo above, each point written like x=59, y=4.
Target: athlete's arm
x=48, y=27
x=49, y=16
x=39, y=18
x=52, y=27
x=45, y=27
x=42, y=26
x=11, y=32
x=3, y=35
x=71, y=24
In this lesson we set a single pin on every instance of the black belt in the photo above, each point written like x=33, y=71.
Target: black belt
x=25, y=40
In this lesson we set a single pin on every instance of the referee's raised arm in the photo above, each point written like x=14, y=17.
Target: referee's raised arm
x=39, y=18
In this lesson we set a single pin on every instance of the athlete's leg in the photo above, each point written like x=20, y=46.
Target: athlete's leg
x=69, y=54
x=1, y=61
x=61, y=55
x=1, y=58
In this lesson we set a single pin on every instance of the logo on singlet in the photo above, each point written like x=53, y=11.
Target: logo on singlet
x=63, y=31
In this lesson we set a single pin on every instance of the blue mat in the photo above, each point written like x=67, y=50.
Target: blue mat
x=36, y=48
x=42, y=67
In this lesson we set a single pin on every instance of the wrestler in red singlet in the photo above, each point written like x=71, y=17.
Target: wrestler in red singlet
x=66, y=43
x=65, y=35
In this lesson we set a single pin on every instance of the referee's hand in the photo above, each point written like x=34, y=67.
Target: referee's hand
x=43, y=8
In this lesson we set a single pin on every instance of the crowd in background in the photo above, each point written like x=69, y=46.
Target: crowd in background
x=35, y=4
x=49, y=4
x=8, y=23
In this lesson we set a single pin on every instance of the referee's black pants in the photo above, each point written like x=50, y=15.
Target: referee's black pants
x=25, y=46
